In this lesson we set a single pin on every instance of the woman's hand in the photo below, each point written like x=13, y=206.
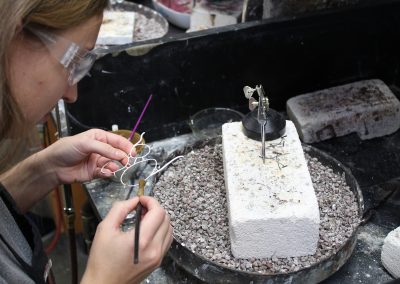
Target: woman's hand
x=111, y=255
x=81, y=157
x=75, y=158
x=72, y=159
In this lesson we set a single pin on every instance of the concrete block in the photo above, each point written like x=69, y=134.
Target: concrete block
x=368, y=108
x=272, y=207
x=391, y=253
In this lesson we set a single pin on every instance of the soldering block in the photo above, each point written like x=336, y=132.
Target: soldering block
x=368, y=108
x=117, y=28
x=391, y=253
x=272, y=206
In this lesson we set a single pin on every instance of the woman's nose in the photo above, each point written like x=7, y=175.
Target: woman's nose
x=71, y=95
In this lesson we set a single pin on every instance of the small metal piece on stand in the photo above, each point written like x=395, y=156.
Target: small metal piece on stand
x=62, y=129
x=262, y=123
x=263, y=107
x=263, y=141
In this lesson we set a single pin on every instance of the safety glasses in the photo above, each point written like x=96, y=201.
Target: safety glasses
x=76, y=60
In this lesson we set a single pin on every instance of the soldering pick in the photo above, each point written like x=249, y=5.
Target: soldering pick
x=140, y=118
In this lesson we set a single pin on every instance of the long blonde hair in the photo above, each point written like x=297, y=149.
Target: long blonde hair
x=55, y=14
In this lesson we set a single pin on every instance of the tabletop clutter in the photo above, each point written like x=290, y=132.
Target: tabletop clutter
x=368, y=108
x=281, y=209
x=275, y=209
x=126, y=23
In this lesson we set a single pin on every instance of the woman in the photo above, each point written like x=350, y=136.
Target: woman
x=44, y=52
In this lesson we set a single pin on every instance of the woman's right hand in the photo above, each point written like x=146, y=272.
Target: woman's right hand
x=111, y=254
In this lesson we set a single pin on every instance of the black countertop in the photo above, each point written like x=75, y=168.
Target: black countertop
x=375, y=164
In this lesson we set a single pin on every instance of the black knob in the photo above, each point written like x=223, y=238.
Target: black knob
x=275, y=127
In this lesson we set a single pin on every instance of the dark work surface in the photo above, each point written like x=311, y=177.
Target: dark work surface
x=375, y=164
x=189, y=72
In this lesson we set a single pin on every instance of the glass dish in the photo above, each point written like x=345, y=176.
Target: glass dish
x=208, y=122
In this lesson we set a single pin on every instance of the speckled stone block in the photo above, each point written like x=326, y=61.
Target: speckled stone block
x=272, y=207
x=391, y=253
x=368, y=108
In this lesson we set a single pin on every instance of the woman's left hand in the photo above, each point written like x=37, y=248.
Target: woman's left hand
x=81, y=157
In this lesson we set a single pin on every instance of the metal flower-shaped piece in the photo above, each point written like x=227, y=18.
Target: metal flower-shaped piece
x=263, y=107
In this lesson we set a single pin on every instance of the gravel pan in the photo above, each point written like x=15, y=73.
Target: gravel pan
x=192, y=191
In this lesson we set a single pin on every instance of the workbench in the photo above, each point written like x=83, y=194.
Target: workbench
x=288, y=56
x=380, y=190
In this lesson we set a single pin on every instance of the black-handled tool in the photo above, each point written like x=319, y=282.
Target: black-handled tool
x=139, y=207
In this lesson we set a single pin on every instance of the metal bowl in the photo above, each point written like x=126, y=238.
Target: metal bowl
x=149, y=24
x=212, y=272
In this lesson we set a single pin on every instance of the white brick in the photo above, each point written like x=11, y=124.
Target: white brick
x=367, y=108
x=273, y=209
x=391, y=253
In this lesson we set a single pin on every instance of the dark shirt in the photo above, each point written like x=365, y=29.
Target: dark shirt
x=22, y=257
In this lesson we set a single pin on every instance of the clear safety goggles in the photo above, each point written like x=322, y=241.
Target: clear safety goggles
x=76, y=60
